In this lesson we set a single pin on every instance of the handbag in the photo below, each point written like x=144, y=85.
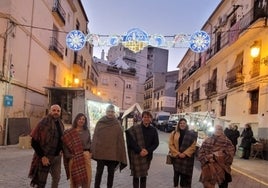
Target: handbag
x=169, y=159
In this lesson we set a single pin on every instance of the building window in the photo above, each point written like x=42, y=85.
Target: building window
x=223, y=106
x=77, y=26
x=104, y=81
x=128, y=86
x=128, y=100
x=254, y=100
x=52, y=74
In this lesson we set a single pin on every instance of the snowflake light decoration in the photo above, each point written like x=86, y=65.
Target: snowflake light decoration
x=75, y=40
x=136, y=39
x=199, y=41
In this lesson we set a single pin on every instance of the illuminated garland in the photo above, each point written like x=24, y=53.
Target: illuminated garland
x=136, y=39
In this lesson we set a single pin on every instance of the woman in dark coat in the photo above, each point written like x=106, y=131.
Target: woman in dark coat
x=246, y=141
x=182, y=144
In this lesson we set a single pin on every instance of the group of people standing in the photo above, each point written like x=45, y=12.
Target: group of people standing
x=215, y=155
x=107, y=147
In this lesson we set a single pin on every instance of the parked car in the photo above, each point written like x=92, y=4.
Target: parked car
x=169, y=126
x=160, y=119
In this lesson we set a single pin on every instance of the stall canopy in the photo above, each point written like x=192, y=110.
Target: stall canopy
x=134, y=107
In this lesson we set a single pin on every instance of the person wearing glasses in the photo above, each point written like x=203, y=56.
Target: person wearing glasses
x=108, y=147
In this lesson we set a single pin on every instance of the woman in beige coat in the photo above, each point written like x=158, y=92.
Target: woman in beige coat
x=182, y=144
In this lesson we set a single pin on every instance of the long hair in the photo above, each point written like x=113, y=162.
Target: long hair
x=78, y=116
x=178, y=125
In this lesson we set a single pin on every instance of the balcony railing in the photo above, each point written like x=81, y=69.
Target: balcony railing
x=186, y=100
x=179, y=104
x=211, y=88
x=234, y=77
x=196, y=95
x=55, y=47
x=178, y=84
x=78, y=62
x=255, y=71
x=59, y=13
x=248, y=19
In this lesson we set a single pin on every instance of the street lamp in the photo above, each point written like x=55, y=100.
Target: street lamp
x=76, y=81
x=255, y=49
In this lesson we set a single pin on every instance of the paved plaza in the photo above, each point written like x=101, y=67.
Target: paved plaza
x=15, y=162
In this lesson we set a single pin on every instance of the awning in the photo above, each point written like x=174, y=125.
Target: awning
x=135, y=106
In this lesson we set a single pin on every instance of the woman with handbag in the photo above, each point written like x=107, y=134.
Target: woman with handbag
x=182, y=144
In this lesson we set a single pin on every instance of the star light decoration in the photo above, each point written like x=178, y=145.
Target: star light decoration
x=75, y=40
x=136, y=39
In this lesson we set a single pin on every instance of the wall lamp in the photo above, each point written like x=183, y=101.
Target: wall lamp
x=255, y=52
x=255, y=49
x=76, y=81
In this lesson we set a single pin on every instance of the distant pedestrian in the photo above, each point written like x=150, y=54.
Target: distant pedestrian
x=142, y=140
x=236, y=136
x=216, y=156
x=77, y=155
x=247, y=136
x=232, y=133
x=47, y=144
x=108, y=147
x=182, y=145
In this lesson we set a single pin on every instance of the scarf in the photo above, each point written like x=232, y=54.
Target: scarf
x=74, y=144
x=108, y=142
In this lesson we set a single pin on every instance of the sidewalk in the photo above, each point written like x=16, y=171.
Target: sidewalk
x=245, y=173
x=256, y=169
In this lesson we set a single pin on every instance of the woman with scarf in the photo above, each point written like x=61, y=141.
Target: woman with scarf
x=182, y=144
x=216, y=156
x=77, y=156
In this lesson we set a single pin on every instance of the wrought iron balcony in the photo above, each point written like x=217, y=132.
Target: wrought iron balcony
x=234, y=77
x=196, y=95
x=59, y=13
x=211, y=88
x=56, y=48
x=186, y=100
x=78, y=62
x=179, y=103
x=244, y=23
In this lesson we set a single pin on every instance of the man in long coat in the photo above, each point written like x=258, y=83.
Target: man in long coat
x=47, y=144
x=142, y=140
x=108, y=146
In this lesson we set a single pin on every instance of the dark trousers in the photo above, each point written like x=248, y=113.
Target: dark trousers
x=247, y=152
x=111, y=165
x=139, y=182
x=227, y=179
x=185, y=180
